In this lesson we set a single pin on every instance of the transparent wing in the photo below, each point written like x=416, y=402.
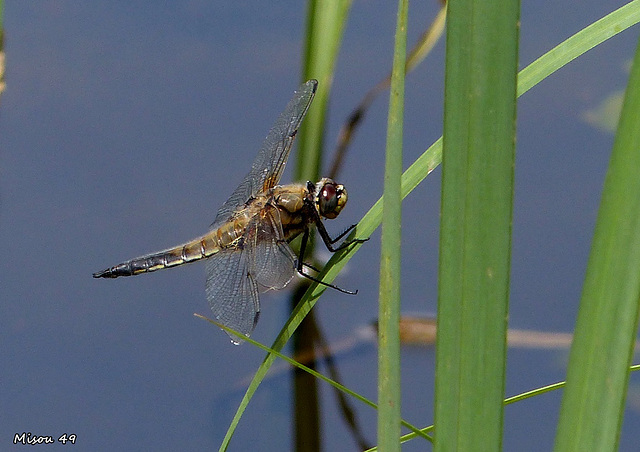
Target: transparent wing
x=272, y=262
x=232, y=291
x=235, y=275
x=267, y=168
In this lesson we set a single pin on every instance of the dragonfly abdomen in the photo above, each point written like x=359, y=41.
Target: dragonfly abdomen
x=197, y=249
x=225, y=236
x=138, y=265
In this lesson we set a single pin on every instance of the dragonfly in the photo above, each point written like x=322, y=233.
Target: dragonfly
x=247, y=249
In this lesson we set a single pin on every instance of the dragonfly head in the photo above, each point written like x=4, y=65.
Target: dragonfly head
x=329, y=197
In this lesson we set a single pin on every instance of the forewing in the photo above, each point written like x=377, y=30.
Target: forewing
x=268, y=166
x=272, y=262
x=232, y=291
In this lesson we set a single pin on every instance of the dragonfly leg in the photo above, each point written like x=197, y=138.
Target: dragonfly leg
x=300, y=264
x=329, y=242
x=305, y=264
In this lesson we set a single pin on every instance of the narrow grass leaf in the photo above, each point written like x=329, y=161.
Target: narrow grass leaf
x=578, y=44
x=390, y=252
x=593, y=402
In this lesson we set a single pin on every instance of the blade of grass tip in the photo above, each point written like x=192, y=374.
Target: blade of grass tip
x=428, y=40
x=593, y=402
x=390, y=253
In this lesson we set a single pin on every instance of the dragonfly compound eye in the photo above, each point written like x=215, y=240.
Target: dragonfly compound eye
x=331, y=199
